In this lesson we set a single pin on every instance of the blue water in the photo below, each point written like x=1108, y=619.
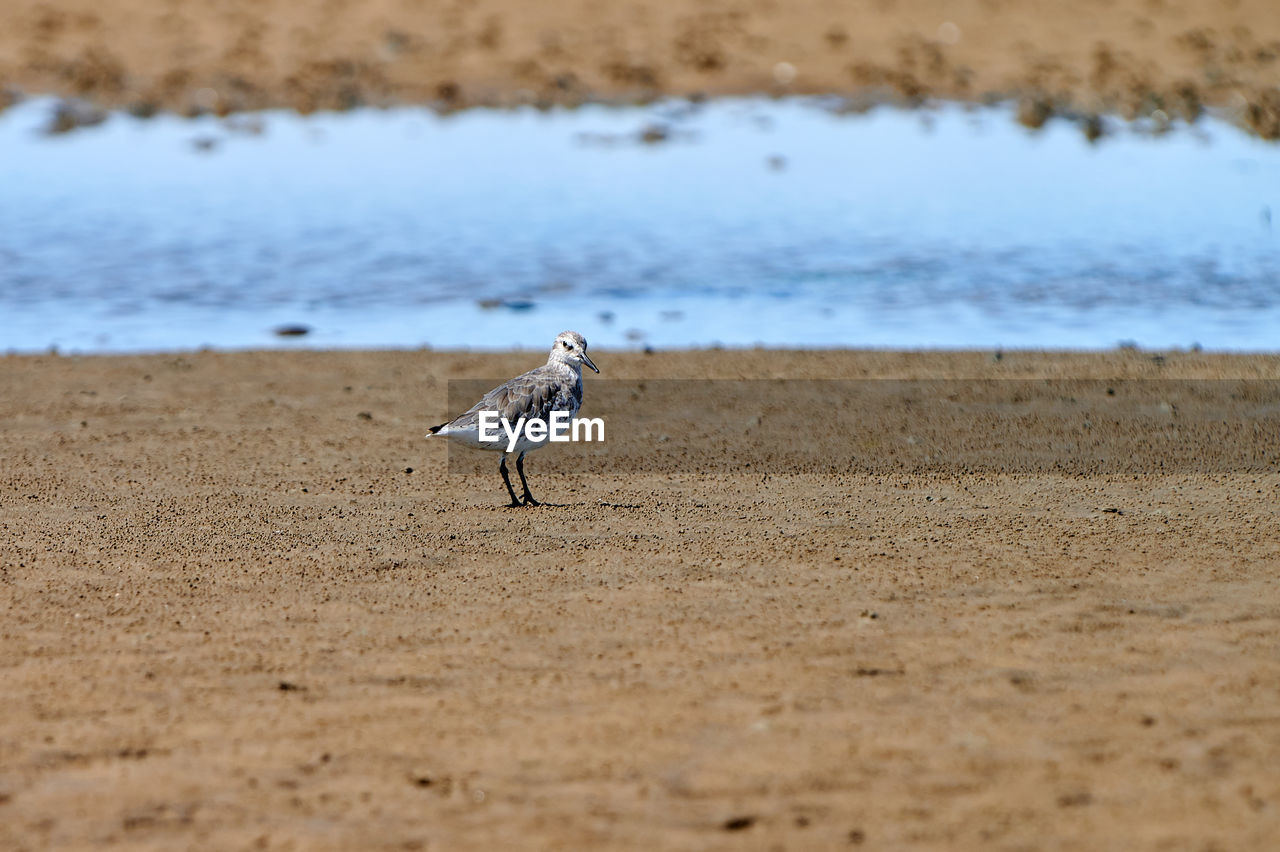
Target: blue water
x=756, y=222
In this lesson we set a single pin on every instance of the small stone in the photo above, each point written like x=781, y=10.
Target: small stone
x=292, y=330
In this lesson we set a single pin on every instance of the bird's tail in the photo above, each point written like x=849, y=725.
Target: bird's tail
x=435, y=429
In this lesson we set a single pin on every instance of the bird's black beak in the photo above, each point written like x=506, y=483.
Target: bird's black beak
x=587, y=361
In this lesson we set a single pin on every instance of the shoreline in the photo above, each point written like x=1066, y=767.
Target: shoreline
x=1192, y=358
x=988, y=353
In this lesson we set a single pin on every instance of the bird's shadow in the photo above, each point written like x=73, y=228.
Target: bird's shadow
x=543, y=504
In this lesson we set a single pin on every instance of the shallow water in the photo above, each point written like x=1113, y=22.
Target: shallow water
x=771, y=222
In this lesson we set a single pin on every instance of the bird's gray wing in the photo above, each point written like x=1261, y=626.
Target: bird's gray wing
x=536, y=393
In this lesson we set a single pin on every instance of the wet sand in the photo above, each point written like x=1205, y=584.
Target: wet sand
x=1167, y=58
x=245, y=604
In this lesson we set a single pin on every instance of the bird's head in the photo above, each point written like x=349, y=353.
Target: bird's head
x=571, y=348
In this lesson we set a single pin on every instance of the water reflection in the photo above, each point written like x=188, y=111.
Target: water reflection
x=733, y=222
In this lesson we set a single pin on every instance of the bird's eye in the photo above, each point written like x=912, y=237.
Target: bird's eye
x=566, y=344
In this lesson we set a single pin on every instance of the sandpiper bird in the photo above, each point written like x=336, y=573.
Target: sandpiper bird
x=555, y=386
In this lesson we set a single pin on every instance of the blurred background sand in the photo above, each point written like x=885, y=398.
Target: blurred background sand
x=1130, y=57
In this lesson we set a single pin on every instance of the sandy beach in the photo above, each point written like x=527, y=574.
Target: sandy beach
x=1162, y=58
x=247, y=605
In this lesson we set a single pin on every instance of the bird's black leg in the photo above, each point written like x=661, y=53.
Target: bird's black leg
x=528, y=498
x=502, y=466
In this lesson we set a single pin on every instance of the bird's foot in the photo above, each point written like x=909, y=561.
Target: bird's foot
x=529, y=501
